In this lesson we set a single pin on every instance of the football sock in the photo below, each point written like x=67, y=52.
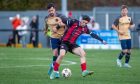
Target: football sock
x=54, y=59
x=56, y=66
x=121, y=55
x=83, y=66
x=127, y=57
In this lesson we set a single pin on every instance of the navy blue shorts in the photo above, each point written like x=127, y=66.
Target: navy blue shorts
x=68, y=46
x=55, y=43
x=126, y=44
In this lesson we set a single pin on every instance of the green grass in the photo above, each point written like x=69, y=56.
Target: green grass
x=29, y=66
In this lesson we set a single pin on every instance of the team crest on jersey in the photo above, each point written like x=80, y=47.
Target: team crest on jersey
x=129, y=19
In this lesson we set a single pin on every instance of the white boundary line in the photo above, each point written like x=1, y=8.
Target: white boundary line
x=27, y=66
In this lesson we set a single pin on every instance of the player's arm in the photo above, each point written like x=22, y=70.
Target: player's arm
x=59, y=23
x=62, y=21
x=45, y=29
x=67, y=21
x=132, y=25
x=70, y=22
x=93, y=35
x=115, y=26
x=116, y=29
x=63, y=18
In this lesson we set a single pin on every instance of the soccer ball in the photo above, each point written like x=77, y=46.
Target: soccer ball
x=66, y=72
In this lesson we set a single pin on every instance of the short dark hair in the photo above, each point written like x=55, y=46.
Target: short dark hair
x=50, y=5
x=86, y=17
x=124, y=6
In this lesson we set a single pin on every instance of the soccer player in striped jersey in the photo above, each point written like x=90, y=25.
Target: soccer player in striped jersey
x=75, y=29
x=122, y=25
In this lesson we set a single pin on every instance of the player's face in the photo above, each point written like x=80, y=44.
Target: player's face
x=51, y=11
x=83, y=23
x=124, y=12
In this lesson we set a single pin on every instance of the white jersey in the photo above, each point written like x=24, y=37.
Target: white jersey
x=23, y=30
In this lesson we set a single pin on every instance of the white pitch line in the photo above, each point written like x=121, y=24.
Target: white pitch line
x=27, y=66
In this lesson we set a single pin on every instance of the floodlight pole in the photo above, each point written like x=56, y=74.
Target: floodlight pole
x=107, y=21
x=64, y=7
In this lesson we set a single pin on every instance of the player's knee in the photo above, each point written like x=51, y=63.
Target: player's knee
x=55, y=53
x=124, y=51
x=62, y=54
x=60, y=57
x=128, y=53
x=83, y=54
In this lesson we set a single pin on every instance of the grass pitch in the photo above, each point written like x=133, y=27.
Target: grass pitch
x=29, y=66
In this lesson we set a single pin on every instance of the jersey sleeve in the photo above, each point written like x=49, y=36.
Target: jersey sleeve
x=70, y=22
x=116, y=22
x=63, y=17
x=45, y=21
x=131, y=22
x=46, y=29
x=93, y=35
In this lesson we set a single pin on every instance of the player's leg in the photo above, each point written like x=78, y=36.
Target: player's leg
x=122, y=53
x=53, y=61
x=124, y=49
x=14, y=38
x=80, y=52
x=59, y=59
x=55, y=73
x=55, y=45
x=128, y=54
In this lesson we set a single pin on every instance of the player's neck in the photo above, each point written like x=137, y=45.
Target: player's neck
x=123, y=15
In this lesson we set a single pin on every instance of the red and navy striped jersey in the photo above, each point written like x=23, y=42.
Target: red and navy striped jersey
x=74, y=31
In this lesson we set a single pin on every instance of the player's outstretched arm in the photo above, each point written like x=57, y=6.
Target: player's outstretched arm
x=97, y=37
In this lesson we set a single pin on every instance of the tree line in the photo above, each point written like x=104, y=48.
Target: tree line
x=14, y=5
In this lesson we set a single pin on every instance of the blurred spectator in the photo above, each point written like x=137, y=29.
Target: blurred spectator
x=70, y=14
x=34, y=32
x=10, y=41
x=16, y=21
x=93, y=25
x=138, y=28
x=23, y=32
x=47, y=33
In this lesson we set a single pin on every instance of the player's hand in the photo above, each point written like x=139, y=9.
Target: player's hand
x=61, y=24
x=104, y=42
x=121, y=33
x=58, y=26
